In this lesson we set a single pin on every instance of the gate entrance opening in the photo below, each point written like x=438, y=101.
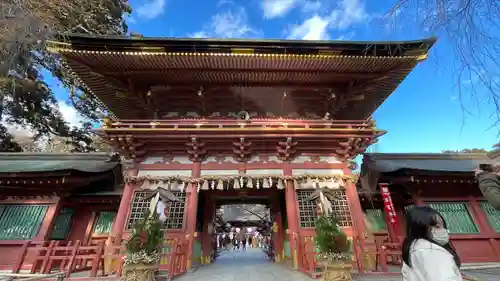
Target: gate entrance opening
x=241, y=221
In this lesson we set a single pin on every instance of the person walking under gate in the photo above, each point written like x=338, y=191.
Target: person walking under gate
x=428, y=254
x=227, y=242
x=236, y=244
x=244, y=244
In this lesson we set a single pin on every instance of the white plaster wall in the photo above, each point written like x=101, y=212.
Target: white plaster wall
x=219, y=172
x=166, y=160
x=329, y=159
x=224, y=159
x=164, y=173
x=264, y=159
x=319, y=172
x=322, y=160
x=266, y=172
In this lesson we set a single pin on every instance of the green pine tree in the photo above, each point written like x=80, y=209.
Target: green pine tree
x=331, y=241
x=144, y=246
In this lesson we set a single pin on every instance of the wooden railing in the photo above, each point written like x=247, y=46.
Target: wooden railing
x=307, y=257
x=376, y=255
x=55, y=256
x=255, y=123
x=369, y=256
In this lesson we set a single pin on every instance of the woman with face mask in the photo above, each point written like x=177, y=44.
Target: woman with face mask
x=427, y=252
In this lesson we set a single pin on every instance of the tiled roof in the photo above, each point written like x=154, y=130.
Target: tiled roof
x=102, y=63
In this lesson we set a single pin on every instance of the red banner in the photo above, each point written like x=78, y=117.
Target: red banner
x=389, y=206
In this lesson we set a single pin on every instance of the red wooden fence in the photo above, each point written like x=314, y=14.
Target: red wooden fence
x=383, y=253
x=71, y=257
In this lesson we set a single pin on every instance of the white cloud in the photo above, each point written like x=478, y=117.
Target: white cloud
x=348, y=13
x=228, y=24
x=18, y=131
x=224, y=2
x=70, y=114
x=151, y=9
x=277, y=8
x=347, y=36
x=314, y=28
x=199, y=34
x=312, y=6
x=343, y=16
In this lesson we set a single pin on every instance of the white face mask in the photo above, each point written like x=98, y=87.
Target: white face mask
x=440, y=236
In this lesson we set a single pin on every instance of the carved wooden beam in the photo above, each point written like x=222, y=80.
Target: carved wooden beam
x=287, y=149
x=128, y=147
x=133, y=91
x=196, y=150
x=242, y=150
x=353, y=147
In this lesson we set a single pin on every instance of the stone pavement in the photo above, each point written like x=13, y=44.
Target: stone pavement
x=492, y=274
x=253, y=265
x=249, y=265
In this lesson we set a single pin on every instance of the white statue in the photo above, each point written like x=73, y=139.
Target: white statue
x=159, y=202
x=324, y=198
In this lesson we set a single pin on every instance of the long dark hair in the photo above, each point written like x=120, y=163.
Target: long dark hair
x=420, y=219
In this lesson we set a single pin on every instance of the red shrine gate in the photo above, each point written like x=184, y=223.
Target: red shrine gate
x=238, y=118
x=227, y=180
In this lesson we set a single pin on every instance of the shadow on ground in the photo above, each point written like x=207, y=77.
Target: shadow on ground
x=253, y=265
x=250, y=265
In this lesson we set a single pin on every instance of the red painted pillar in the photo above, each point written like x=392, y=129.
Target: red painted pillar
x=191, y=213
x=357, y=213
x=292, y=216
x=206, y=242
x=48, y=222
x=278, y=237
x=123, y=209
x=483, y=225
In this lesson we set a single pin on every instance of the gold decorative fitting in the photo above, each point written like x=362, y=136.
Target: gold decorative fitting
x=106, y=123
x=243, y=51
x=57, y=47
x=121, y=95
x=152, y=49
x=422, y=57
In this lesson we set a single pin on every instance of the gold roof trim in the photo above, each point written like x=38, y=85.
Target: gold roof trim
x=267, y=129
x=87, y=89
x=58, y=47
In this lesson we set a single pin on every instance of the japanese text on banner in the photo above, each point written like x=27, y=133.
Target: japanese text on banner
x=389, y=206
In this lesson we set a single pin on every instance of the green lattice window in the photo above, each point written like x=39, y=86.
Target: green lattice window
x=492, y=215
x=176, y=210
x=62, y=224
x=375, y=219
x=21, y=222
x=104, y=222
x=457, y=216
x=307, y=209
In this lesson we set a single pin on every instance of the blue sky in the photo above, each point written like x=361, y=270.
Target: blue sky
x=423, y=115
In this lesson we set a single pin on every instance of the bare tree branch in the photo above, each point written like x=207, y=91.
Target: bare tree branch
x=470, y=29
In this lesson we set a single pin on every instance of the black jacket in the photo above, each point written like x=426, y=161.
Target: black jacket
x=489, y=183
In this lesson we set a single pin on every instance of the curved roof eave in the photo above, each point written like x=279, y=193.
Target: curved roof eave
x=94, y=43
x=51, y=162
